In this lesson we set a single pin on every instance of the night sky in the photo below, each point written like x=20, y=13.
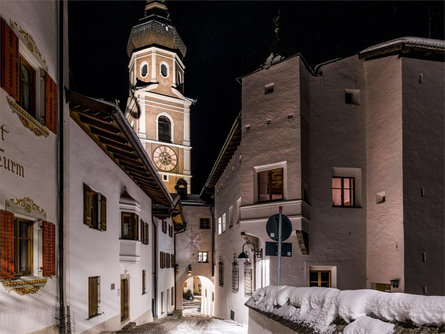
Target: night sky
x=228, y=39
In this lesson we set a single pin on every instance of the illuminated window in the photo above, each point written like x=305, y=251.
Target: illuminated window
x=203, y=257
x=343, y=191
x=320, y=278
x=224, y=222
x=270, y=185
x=219, y=225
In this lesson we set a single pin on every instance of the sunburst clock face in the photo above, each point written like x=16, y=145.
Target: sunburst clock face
x=165, y=158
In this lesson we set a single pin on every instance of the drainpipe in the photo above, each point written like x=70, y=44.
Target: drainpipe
x=212, y=211
x=174, y=252
x=63, y=328
x=155, y=269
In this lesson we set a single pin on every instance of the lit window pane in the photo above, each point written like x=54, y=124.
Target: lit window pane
x=336, y=197
x=204, y=257
x=336, y=182
x=263, y=189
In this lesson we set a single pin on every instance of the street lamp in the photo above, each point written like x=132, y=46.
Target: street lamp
x=243, y=255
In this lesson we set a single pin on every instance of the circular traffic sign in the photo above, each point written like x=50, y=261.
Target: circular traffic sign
x=272, y=227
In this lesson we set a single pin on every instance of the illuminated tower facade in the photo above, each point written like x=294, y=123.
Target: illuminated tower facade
x=157, y=108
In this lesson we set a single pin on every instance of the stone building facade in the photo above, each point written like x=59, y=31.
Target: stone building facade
x=353, y=152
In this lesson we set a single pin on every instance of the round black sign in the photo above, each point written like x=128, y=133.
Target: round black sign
x=272, y=227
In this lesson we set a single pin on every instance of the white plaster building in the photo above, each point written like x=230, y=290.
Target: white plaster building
x=353, y=151
x=29, y=175
x=112, y=264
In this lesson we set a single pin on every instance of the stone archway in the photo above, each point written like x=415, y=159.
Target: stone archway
x=203, y=291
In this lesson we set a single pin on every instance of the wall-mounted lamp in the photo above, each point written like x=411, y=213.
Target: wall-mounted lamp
x=177, y=268
x=395, y=283
x=257, y=253
x=189, y=269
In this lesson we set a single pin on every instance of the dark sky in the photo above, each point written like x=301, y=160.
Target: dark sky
x=228, y=39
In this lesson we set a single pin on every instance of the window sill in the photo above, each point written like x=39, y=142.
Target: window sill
x=27, y=120
x=347, y=207
x=24, y=285
x=95, y=316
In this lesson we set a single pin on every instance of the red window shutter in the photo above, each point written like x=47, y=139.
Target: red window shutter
x=6, y=244
x=51, y=103
x=49, y=249
x=10, y=60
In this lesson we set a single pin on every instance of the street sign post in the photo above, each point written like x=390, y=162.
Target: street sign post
x=279, y=228
x=272, y=249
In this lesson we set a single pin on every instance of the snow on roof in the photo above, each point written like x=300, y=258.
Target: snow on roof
x=318, y=308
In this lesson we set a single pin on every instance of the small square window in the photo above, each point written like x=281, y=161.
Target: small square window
x=343, y=189
x=320, y=278
x=204, y=223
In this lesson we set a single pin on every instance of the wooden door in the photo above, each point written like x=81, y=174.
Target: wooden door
x=124, y=300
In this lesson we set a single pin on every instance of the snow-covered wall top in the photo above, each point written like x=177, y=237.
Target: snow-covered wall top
x=366, y=311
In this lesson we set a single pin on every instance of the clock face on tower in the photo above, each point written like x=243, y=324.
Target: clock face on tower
x=165, y=158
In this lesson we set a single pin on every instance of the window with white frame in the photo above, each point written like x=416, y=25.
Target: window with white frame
x=203, y=256
x=219, y=225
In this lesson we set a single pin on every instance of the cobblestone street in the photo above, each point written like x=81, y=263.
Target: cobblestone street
x=189, y=325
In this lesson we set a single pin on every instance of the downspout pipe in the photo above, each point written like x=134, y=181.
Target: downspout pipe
x=174, y=252
x=155, y=268
x=61, y=253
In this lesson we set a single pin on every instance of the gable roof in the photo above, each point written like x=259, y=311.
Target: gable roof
x=106, y=125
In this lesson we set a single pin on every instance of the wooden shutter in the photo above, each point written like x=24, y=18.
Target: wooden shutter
x=86, y=205
x=167, y=260
x=50, y=104
x=49, y=249
x=6, y=244
x=10, y=60
x=103, y=212
x=172, y=260
x=93, y=296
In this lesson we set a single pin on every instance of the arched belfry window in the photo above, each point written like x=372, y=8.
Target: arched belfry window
x=164, y=129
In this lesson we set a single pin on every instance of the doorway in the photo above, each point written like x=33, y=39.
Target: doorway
x=124, y=300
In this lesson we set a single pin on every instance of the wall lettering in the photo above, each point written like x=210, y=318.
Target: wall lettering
x=5, y=162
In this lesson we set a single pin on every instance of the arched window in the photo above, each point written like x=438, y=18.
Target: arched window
x=164, y=129
x=144, y=70
x=164, y=70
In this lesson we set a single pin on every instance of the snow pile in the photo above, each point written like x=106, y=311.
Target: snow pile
x=367, y=325
x=319, y=307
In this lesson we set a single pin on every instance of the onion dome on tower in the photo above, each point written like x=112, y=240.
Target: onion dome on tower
x=155, y=29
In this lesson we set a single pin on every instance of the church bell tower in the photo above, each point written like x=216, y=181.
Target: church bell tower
x=157, y=108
